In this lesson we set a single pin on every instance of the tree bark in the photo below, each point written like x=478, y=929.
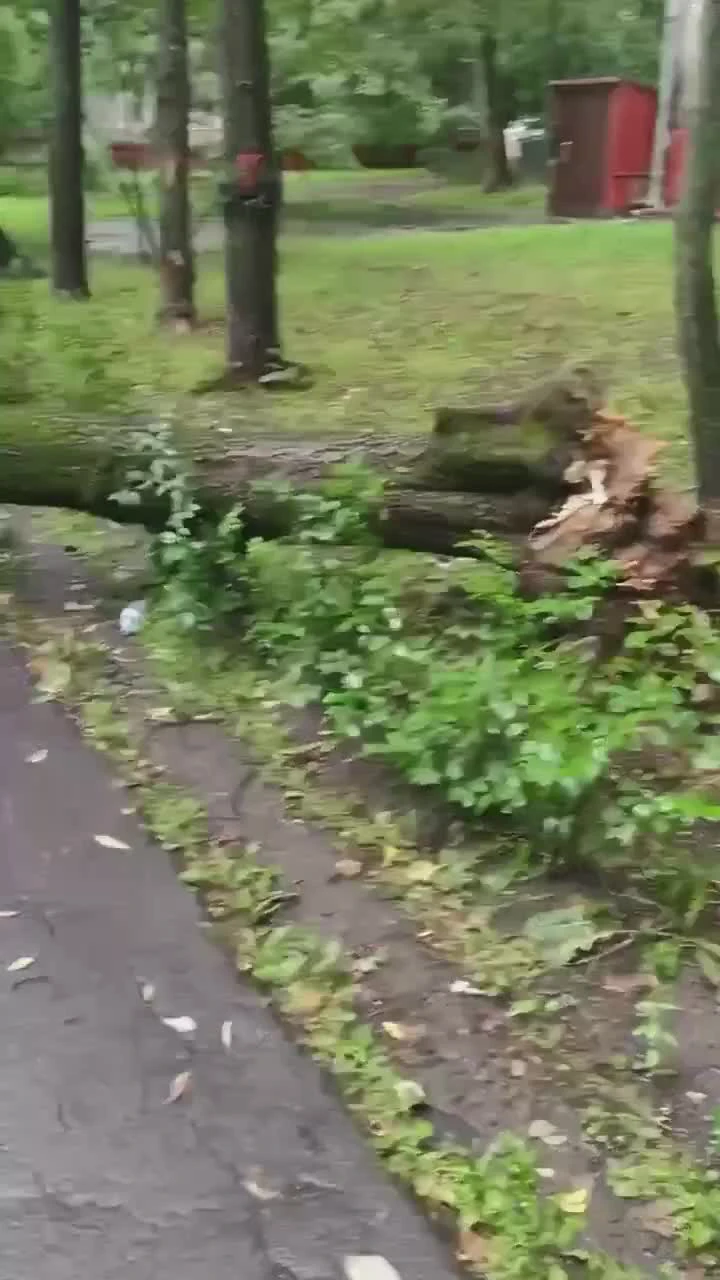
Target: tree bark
x=695, y=301
x=500, y=174
x=80, y=467
x=552, y=471
x=254, y=190
x=67, y=203
x=177, y=271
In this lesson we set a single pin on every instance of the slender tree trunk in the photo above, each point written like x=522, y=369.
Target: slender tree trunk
x=253, y=197
x=695, y=286
x=177, y=269
x=500, y=175
x=671, y=39
x=67, y=204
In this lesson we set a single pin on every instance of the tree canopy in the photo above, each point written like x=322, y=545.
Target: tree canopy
x=351, y=70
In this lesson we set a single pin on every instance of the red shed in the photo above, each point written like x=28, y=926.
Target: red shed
x=601, y=146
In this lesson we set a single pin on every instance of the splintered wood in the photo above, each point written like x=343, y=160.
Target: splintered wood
x=614, y=504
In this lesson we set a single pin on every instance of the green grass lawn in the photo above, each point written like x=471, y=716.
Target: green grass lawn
x=393, y=325
x=27, y=217
x=358, y=197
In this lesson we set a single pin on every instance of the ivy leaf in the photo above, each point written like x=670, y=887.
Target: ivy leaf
x=564, y=933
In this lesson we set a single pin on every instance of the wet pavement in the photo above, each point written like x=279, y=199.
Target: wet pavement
x=254, y=1172
x=118, y=237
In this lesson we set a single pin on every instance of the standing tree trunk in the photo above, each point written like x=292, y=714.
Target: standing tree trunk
x=500, y=173
x=671, y=42
x=252, y=200
x=177, y=271
x=695, y=286
x=67, y=205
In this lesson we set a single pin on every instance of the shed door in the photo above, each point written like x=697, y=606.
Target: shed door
x=580, y=116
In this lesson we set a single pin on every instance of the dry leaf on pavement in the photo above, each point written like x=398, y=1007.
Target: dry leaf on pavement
x=368, y=1266
x=109, y=842
x=184, y=1025
x=179, y=1087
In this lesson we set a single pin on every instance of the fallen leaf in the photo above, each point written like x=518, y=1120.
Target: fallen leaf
x=574, y=1201
x=348, y=868
x=461, y=987
x=517, y=1068
x=22, y=962
x=473, y=1247
x=159, y=713
x=109, y=842
x=625, y=983
x=409, y=1093
x=368, y=1266
x=178, y=1087
x=547, y=1133
x=37, y=757
x=184, y=1025
x=226, y=1034
x=398, y=1031
x=697, y=1098
x=422, y=871
x=260, y=1192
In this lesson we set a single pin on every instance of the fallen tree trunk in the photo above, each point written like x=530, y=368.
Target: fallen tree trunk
x=550, y=471
x=81, y=467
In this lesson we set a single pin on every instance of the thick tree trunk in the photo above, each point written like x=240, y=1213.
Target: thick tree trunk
x=500, y=174
x=253, y=197
x=67, y=204
x=695, y=286
x=66, y=464
x=173, y=148
x=552, y=471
